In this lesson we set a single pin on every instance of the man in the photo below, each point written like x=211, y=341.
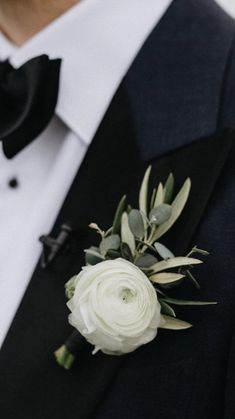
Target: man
x=140, y=82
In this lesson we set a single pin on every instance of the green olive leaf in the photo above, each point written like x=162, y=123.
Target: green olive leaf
x=153, y=197
x=168, y=189
x=143, y=195
x=174, y=263
x=188, y=302
x=165, y=278
x=159, y=199
x=126, y=233
x=177, y=207
x=118, y=215
x=166, y=309
x=174, y=324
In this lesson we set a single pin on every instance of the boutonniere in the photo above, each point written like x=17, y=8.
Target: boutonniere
x=119, y=300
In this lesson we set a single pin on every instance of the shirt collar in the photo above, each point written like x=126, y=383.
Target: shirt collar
x=97, y=41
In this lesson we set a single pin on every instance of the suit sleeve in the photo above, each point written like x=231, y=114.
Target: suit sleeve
x=226, y=115
x=226, y=118
x=229, y=412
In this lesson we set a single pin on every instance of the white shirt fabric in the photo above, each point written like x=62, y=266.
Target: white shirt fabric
x=97, y=41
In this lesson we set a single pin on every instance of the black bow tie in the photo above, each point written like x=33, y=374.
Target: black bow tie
x=28, y=98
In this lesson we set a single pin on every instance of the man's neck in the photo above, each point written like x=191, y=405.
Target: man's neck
x=20, y=20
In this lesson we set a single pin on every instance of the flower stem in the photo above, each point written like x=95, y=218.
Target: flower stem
x=68, y=352
x=64, y=358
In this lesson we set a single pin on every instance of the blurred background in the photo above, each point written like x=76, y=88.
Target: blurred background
x=228, y=5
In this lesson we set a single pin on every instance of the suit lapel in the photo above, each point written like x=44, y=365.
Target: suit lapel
x=203, y=162
x=31, y=382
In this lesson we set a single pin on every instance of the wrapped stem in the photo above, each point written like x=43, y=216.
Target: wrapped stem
x=68, y=352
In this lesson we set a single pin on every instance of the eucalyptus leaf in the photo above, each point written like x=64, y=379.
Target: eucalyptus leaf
x=163, y=251
x=153, y=197
x=165, y=278
x=168, y=189
x=172, y=323
x=126, y=252
x=146, y=260
x=160, y=214
x=177, y=207
x=188, y=302
x=136, y=223
x=111, y=242
x=159, y=199
x=143, y=195
x=174, y=263
x=113, y=254
x=126, y=233
x=118, y=215
x=93, y=256
x=166, y=309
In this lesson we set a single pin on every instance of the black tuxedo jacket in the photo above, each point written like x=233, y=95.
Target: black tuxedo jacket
x=175, y=109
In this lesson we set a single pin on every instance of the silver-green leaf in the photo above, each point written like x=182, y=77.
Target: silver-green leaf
x=159, y=198
x=163, y=251
x=160, y=214
x=136, y=223
x=166, y=309
x=126, y=234
x=146, y=260
x=168, y=189
x=177, y=207
x=153, y=197
x=188, y=302
x=111, y=242
x=174, y=263
x=174, y=324
x=93, y=256
x=165, y=278
x=143, y=195
x=118, y=215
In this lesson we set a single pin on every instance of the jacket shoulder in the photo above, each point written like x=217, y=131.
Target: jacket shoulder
x=176, y=84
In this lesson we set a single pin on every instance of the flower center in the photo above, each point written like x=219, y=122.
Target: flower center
x=126, y=295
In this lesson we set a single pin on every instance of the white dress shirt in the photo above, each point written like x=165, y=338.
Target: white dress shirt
x=97, y=41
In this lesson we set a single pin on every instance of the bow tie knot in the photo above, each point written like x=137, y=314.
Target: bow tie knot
x=28, y=98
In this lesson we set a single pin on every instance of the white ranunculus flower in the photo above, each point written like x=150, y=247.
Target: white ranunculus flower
x=115, y=307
